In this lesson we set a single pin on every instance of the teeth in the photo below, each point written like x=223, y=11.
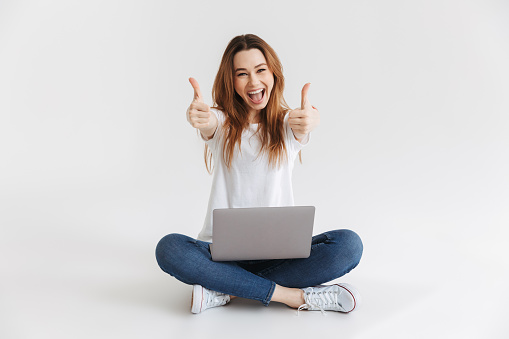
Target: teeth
x=254, y=92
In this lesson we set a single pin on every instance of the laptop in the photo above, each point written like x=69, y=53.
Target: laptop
x=262, y=233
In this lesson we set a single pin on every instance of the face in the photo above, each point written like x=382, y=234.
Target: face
x=253, y=80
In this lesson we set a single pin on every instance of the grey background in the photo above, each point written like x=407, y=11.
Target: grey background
x=97, y=160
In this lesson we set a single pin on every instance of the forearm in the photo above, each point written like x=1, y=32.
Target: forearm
x=301, y=137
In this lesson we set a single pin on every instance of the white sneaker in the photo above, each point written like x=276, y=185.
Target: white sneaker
x=337, y=297
x=204, y=298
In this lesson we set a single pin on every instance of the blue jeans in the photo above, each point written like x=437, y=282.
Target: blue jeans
x=333, y=254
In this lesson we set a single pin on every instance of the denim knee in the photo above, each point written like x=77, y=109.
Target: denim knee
x=167, y=251
x=350, y=247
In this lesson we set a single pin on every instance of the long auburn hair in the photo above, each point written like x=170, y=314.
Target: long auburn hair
x=271, y=126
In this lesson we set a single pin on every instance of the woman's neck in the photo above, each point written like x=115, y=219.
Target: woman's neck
x=254, y=117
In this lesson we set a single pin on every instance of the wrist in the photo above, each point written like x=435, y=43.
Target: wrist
x=207, y=133
x=299, y=136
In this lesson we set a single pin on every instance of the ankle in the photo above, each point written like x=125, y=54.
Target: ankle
x=292, y=297
x=296, y=299
x=299, y=298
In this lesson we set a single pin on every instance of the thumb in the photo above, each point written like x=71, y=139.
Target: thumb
x=304, y=101
x=196, y=87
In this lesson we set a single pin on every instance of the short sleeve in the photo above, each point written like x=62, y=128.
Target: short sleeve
x=293, y=145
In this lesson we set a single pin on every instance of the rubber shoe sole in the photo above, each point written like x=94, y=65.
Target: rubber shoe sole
x=354, y=293
x=197, y=299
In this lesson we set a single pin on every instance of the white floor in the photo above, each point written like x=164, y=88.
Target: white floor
x=76, y=281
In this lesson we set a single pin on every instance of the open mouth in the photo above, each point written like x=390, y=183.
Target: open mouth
x=257, y=96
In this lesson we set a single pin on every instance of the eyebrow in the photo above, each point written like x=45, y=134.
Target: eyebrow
x=243, y=69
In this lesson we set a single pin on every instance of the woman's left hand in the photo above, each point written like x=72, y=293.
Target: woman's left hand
x=304, y=119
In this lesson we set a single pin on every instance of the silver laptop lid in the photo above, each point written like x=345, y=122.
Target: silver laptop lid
x=262, y=233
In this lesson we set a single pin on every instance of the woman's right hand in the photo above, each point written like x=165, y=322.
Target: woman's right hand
x=199, y=114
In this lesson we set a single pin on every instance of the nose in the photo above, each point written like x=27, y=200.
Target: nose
x=254, y=80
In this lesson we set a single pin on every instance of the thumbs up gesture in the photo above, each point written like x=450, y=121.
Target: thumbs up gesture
x=304, y=119
x=199, y=114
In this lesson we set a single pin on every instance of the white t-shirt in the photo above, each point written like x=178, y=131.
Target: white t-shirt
x=250, y=182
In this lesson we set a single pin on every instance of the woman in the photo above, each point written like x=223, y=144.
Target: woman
x=253, y=138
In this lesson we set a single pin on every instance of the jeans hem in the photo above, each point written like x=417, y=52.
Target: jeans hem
x=268, y=298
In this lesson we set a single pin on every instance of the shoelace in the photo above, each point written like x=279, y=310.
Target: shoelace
x=215, y=299
x=319, y=300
